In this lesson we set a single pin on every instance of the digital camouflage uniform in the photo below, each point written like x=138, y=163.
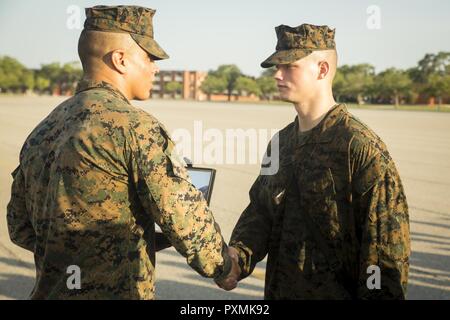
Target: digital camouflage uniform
x=335, y=207
x=296, y=43
x=134, y=20
x=94, y=177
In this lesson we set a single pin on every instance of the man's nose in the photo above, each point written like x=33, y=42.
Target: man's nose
x=278, y=75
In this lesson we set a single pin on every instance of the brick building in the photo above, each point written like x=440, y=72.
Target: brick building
x=188, y=85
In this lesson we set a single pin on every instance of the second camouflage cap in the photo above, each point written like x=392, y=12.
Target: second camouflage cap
x=135, y=20
x=296, y=43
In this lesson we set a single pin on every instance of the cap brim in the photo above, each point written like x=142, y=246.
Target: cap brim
x=285, y=57
x=151, y=46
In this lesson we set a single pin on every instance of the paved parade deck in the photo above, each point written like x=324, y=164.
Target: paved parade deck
x=419, y=142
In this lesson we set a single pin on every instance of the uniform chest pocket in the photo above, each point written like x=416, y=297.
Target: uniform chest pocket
x=318, y=200
x=323, y=185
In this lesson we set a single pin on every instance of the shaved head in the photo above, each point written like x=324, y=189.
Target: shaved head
x=329, y=56
x=117, y=59
x=94, y=46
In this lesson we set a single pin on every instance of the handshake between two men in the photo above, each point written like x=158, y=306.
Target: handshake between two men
x=97, y=173
x=230, y=282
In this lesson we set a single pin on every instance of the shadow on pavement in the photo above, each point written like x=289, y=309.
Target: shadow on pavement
x=429, y=284
x=171, y=252
x=430, y=271
x=424, y=239
x=432, y=224
x=185, y=291
x=429, y=278
x=17, y=263
x=421, y=234
x=13, y=286
x=195, y=276
x=242, y=284
x=191, y=291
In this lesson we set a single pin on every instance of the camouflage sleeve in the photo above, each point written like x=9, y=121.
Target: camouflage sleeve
x=20, y=228
x=384, y=221
x=251, y=233
x=165, y=189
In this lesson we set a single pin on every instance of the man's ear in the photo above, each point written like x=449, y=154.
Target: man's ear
x=118, y=61
x=324, y=69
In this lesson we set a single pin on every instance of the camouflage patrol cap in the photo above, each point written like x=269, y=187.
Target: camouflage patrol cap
x=299, y=42
x=135, y=20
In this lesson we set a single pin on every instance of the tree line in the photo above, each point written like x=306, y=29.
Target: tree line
x=52, y=78
x=428, y=81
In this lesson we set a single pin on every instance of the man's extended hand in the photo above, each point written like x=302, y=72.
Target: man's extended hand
x=230, y=282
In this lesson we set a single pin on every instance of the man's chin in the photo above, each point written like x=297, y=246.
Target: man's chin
x=142, y=97
x=285, y=98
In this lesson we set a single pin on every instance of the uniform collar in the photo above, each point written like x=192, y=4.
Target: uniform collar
x=87, y=84
x=321, y=133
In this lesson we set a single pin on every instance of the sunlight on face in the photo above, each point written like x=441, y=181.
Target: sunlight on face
x=303, y=79
x=296, y=81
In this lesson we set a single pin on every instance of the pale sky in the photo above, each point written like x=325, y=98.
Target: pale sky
x=202, y=34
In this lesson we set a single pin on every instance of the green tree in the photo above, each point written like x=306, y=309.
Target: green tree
x=12, y=74
x=27, y=79
x=269, y=72
x=173, y=87
x=339, y=85
x=246, y=86
x=51, y=72
x=69, y=76
x=431, y=64
x=267, y=83
x=42, y=84
x=417, y=88
x=62, y=78
x=429, y=77
x=267, y=86
x=439, y=86
x=230, y=73
x=393, y=83
x=355, y=82
x=213, y=84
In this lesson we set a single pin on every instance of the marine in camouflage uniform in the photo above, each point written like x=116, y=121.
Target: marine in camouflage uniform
x=94, y=177
x=335, y=207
